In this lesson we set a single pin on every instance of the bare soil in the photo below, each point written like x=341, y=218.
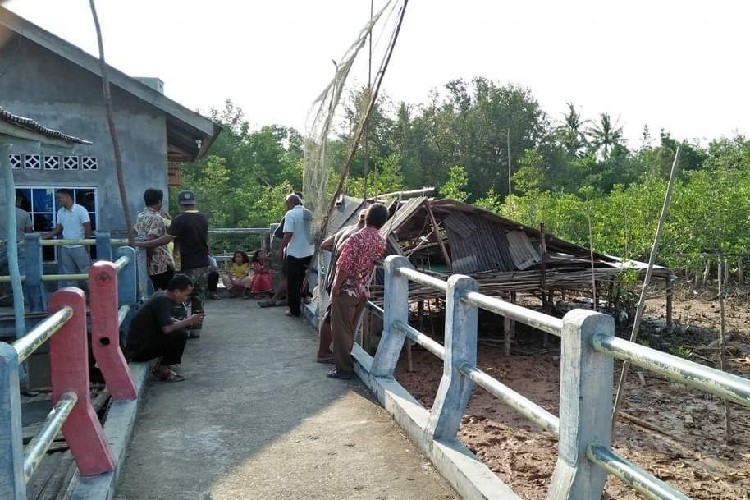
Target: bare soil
x=687, y=445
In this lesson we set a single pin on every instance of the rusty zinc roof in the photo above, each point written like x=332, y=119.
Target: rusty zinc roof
x=33, y=126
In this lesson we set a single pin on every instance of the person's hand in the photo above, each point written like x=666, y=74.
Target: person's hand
x=196, y=319
x=280, y=254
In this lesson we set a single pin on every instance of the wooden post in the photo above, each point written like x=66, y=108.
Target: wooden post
x=723, y=346
x=670, y=294
x=461, y=325
x=395, y=308
x=105, y=331
x=740, y=271
x=435, y=227
x=586, y=378
x=12, y=482
x=69, y=367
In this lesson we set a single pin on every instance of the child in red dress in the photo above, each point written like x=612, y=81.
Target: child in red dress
x=262, y=281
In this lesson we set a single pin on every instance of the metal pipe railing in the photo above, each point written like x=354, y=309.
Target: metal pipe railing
x=527, y=408
x=89, y=242
x=535, y=319
x=7, y=279
x=629, y=473
x=421, y=339
x=423, y=279
x=717, y=382
x=122, y=262
x=122, y=314
x=38, y=446
x=29, y=343
x=239, y=230
x=65, y=277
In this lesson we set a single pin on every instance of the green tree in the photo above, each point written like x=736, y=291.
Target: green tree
x=455, y=187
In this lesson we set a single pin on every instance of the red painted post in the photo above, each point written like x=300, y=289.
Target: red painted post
x=105, y=331
x=69, y=363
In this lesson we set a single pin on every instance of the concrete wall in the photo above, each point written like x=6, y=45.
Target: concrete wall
x=62, y=96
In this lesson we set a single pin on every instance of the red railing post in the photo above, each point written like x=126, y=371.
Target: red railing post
x=69, y=364
x=105, y=331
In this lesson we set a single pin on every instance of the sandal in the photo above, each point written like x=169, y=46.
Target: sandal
x=169, y=376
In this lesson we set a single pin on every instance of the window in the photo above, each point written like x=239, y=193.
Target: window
x=41, y=203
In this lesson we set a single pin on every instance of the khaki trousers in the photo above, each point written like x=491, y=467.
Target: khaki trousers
x=345, y=312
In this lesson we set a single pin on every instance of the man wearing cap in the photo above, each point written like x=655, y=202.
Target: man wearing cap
x=297, y=249
x=190, y=229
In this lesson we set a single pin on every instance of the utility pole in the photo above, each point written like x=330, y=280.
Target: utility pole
x=365, y=148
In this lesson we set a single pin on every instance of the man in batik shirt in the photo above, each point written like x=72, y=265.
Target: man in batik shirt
x=150, y=226
x=350, y=291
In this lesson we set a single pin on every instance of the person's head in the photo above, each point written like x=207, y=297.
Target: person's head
x=20, y=199
x=153, y=198
x=292, y=201
x=377, y=214
x=259, y=255
x=186, y=199
x=240, y=257
x=362, y=218
x=65, y=198
x=180, y=287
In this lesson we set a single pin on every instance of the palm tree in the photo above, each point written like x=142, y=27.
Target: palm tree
x=605, y=137
x=571, y=133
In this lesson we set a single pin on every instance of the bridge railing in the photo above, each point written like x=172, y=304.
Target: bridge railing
x=66, y=330
x=588, y=349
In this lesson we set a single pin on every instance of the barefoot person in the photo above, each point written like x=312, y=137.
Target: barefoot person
x=154, y=333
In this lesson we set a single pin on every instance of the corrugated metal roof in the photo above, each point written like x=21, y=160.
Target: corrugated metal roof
x=403, y=213
x=343, y=213
x=29, y=124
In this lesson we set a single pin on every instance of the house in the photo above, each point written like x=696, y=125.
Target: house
x=48, y=80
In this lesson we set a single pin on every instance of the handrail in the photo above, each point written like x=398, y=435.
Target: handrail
x=540, y=321
x=39, y=445
x=705, y=378
x=527, y=408
x=122, y=314
x=642, y=481
x=122, y=262
x=65, y=277
x=423, y=279
x=421, y=339
x=29, y=343
x=239, y=230
x=89, y=242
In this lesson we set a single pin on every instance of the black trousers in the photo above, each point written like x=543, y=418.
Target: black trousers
x=212, y=281
x=168, y=347
x=161, y=280
x=295, y=277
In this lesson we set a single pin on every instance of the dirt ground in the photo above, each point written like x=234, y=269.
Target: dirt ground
x=686, y=444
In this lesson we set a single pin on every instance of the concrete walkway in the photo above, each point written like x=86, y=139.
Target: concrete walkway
x=257, y=419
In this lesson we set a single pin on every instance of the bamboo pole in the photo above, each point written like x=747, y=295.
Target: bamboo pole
x=642, y=300
x=111, y=119
x=722, y=346
x=435, y=227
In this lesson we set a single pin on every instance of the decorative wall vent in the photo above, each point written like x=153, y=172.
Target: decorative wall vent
x=32, y=162
x=51, y=163
x=70, y=163
x=16, y=161
x=89, y=163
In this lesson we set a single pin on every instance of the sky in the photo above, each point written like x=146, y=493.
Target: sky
x=677, y=65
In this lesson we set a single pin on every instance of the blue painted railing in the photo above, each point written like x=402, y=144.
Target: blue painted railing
x=588, y=349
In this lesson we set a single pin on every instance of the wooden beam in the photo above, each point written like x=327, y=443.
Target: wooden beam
x=436, y=228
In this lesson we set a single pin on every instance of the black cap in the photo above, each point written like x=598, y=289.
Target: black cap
x=186, y=197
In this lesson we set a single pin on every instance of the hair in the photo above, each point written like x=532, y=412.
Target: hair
x=293, y=200
x=65, y=191
x=152, y=196
x=245, y=258
x=377, y=214
x=179, y=282
x=255, y=257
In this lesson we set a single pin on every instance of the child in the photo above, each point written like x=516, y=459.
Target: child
x=262, y=281
x=237, y=279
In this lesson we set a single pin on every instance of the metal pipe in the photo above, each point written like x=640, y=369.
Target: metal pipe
x=374, y=308
x=238, y=230
x=632, y=475
x=527, y=408
x=717, y=382
x=7, y=279
x=58, y=243
x=122, y=262
x=38, y=446
x=41, y=333
x=421, y=339
x=122, y=313
x=422, y=279
x=540, y=321
x=65, y=277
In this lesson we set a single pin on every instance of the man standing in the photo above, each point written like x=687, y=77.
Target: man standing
x=23, y=226
x=74, y=223
x=297, y=249
x=154, y=333
x=149, y=226
x=350, y=292
x=190, y=229
x=333, y=244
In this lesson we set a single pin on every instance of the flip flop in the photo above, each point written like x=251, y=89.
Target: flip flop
x=169, y=376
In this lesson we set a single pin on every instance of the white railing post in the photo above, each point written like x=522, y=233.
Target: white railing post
x=586, y=378
x=461, y=323
x=12, y=483
x=395, y=308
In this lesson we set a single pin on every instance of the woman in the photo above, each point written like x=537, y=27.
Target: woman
x=237, y=279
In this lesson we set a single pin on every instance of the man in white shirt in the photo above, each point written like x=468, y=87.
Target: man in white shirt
x=297, y=247
x=74, y=223
x=23, y=226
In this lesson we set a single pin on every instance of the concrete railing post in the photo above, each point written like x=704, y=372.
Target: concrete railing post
x=33, y=272
x=395, y=308
x=461, y=323
x=127, y=278
x=142, y=275
x=69, y=367
x=103, y=246
x=105, y=331
x=586, y=378
x=12, y=482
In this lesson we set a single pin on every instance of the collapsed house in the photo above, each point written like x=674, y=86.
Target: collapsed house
x=444, y=237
